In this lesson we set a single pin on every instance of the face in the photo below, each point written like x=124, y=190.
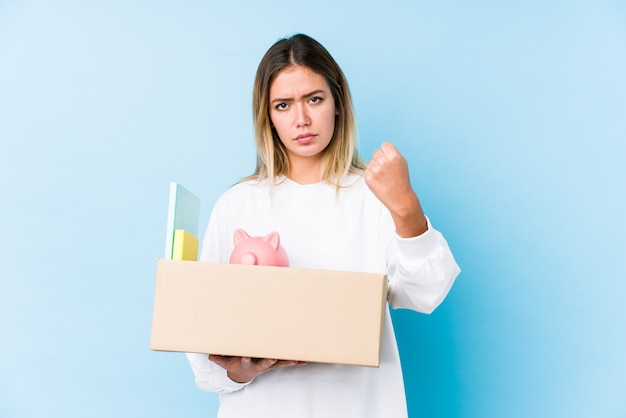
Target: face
x=303, y=113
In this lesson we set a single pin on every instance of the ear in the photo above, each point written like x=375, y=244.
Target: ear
x=240, y=235
x=274, y=239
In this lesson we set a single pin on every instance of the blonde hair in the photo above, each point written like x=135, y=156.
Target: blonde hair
x=341, y=156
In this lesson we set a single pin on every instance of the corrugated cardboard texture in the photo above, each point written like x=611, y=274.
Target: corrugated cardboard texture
x=269, y=312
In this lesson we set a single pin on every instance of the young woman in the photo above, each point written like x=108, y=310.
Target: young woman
x=332, y=212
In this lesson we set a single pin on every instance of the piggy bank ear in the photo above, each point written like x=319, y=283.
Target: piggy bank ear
x=274, y=239
x=240, y=235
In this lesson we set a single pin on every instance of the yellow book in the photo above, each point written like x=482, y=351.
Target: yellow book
x=185, y=246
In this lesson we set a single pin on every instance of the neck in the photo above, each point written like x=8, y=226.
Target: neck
x=305, y=172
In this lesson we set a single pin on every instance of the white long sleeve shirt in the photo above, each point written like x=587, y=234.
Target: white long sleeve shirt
x=349, y=231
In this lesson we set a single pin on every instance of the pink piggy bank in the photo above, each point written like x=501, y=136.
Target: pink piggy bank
x=261, y=251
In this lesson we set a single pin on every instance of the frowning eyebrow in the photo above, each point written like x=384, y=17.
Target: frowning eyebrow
x=303, y=97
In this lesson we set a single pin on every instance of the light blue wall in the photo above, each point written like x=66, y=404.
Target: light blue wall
x=512, y=116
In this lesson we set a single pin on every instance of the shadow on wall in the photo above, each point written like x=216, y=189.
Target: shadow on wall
x=429, y=362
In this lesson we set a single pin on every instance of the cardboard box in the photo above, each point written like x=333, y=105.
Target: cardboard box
x=269, y=312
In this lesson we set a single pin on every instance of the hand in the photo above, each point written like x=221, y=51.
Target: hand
x=387, y=176
x=244, y=369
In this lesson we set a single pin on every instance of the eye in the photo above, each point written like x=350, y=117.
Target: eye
x=281, y=106
x=316, y=99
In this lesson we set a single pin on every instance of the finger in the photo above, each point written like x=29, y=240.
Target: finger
x=217, y=359
x=288, y=363
x=378, y=156
x=268, y=362
x=227, y=362
x=371, y=172
x=388, y=148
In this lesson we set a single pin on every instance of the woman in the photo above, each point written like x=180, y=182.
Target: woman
x=332, y=212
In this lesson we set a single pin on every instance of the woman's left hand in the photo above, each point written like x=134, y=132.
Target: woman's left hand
x=387, y=176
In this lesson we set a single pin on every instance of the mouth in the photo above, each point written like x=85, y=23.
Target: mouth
x=305, y=138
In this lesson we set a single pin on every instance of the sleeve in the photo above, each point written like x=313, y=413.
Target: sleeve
x=208, y=375
x=420, y=270
x=211, y=377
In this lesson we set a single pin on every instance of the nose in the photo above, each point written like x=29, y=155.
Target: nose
x=302, y=116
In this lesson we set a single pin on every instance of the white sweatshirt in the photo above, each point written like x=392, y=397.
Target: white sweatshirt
x=349, y=231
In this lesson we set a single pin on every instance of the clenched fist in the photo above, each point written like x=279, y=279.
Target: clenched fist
x=387, y=176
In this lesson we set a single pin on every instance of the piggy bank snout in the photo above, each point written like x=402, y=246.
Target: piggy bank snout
x=249, y=259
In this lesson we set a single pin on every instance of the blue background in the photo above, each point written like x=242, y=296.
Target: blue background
x=511, y=114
